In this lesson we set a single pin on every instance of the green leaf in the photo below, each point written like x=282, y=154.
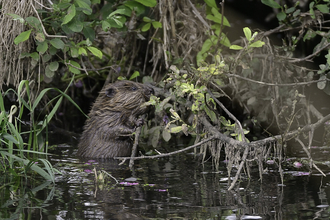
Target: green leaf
x=290, y=10
x=146, y=19
x=235, y=47
x=52, y=50
x=10, y=138
x=211, y=3
x=57, y=43
x=148, y=3
x=34, y=22
x=211, y=114
x=146, y=27
x=89, y=33
x=16, y=17
x=75, y=25
x=321, y=85
x=70, y=15
x=49, y=73
x=176, y=129
x=247, y=33
x=117, y=21
x=281, y=16
x=74, y=52
x=118, y=11
x=34, y=56
x=53, y=66
x=105, y=25
x=156, y=24
x=323, y=8
x=257, y=44
x=137, y=7
x=72, y=69
x=155, y=137
x=166, y=135
x=134, y=75
x=217, y=18
x=96, y=52
x=271, y=3
x=22, y=37
x=311, y=10
x=86, y=8
x=82, y=51
x=42, y=47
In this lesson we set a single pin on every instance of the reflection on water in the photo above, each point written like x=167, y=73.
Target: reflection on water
x=168, y=188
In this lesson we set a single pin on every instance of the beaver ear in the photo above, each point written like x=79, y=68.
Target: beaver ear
x=110, y=92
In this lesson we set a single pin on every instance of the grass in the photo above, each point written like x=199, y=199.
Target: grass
x=20, y=158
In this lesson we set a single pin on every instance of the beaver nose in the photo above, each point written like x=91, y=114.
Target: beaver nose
x=148, y=91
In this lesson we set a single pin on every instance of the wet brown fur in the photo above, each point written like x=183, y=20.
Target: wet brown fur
x=112, y=120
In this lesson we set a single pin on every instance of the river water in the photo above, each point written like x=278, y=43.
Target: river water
x=178, y=187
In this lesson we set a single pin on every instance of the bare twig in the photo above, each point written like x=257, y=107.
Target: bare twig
x=229, y=114
x=134, y=149
x=169, y=154
x=309, y=56
x=43, y=28
x=309, y=156
x=275, y=84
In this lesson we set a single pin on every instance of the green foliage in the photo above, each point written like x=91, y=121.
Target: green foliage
x=148, y=24
x=54, y=31
x=291, y=16
x=14, y=151
x=211, y=45
x=250, y=38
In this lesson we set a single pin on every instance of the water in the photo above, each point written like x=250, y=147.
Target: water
x=179, y=187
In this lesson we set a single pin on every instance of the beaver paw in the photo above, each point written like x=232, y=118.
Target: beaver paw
x=139, y=122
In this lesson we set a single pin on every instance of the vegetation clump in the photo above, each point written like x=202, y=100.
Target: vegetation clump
x=202, y=75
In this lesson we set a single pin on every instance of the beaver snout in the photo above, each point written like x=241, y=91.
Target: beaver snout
x=148, y=91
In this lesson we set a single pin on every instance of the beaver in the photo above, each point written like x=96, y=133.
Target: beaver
x=113, y=118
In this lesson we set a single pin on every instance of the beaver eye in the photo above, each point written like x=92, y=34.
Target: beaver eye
x=134, y=88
